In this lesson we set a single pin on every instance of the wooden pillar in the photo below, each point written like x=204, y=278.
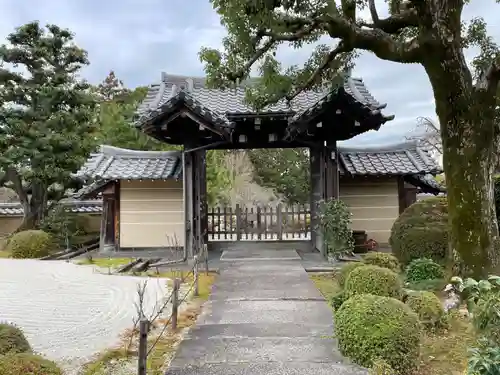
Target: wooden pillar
x=188, y=183
x=198, y=200
x=203, y=195
x=316, y=155
x=407, y=195
x=108, y=235
x=331, y=170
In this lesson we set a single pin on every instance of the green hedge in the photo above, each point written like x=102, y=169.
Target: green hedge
x=30, y=244
x=373, y=280
x=421, y=231
x=27, y=364
x=371, y=328
x=12, y=339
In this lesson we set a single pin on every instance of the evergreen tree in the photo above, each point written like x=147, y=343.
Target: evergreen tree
x=47, y=116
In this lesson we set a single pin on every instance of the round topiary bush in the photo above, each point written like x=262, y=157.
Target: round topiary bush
x=12, y=340
x=30, y=244
x=383, y=260
x=421, y=231
x=373, y=280
x=423, y=269
x=346, y=270
x=427, y=306
x=27, y=364
x=370, y=328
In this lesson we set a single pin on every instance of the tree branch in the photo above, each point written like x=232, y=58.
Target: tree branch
x=341, y=48
x=490, y=79
x=375, y=40
x=393, y=24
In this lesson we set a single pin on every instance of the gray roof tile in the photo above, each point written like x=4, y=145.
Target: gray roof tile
x=232, y=101
x=402, y=159
x=75, y=206
x=113, y=163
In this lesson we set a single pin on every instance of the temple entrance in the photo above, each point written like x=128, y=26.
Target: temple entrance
x=183, y=111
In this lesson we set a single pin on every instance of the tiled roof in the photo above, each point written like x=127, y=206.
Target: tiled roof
x=402, y=159
x=113, y=163
x=75, y=206
x=221, y=104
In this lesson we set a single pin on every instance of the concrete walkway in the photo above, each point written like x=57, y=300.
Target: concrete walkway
x=264, y=317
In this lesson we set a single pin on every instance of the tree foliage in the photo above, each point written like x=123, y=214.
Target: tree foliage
x=47, y=115
x=431, y=33
x=286, y=171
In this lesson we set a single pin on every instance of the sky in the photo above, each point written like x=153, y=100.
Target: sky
x=138, y=39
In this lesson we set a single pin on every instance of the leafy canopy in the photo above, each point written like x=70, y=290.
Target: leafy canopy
x=47, y=114
x=409, y=34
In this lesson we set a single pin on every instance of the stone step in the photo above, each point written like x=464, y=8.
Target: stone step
x=266, y=312
x=219, y=350
x=276, y=330
x=267, y=368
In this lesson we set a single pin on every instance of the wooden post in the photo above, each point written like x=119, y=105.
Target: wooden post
x=175, y=303
x=195, y=281
x=143, y=346
x=279, y=219
x=205, y=251
x=238, y=222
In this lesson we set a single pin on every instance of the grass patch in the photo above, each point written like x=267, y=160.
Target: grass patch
x=445, y=353
x=105, y=262
x=326, y=283
x=4, y=254
x=441, y=353
x=165, y=340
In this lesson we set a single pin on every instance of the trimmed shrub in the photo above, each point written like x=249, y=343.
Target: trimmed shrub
x=381, y=367
x=30, y=244
x=27, y=364
x=337, y=300
x=370, y=328
x=421, y=231
x=423, y=269
x=427, y=306
x=374, y=280
x=346, y=270
x=383, y=260
x=12, y=340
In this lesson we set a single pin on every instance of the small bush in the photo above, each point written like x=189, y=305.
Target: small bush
x=12, y=340
x=64, y=225
x=30, y=244
x=383, y=260
x=423, y=269
x=27, y=364
x=373, y=280
x=346, y=270
x=421, y=231
x=427, y=306
x=371, y=328
x=486, y=317
x=381, y=367
x=337, y=300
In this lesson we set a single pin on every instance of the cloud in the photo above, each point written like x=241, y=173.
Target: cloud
x=139, y=39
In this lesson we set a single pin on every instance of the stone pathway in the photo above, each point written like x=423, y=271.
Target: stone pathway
x=264, y=317
x=70, y=312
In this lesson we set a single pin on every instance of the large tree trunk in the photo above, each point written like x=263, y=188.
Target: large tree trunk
x=35, y=208
x=470, y=148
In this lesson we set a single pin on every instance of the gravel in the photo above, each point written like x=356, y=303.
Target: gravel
x=70, y=312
